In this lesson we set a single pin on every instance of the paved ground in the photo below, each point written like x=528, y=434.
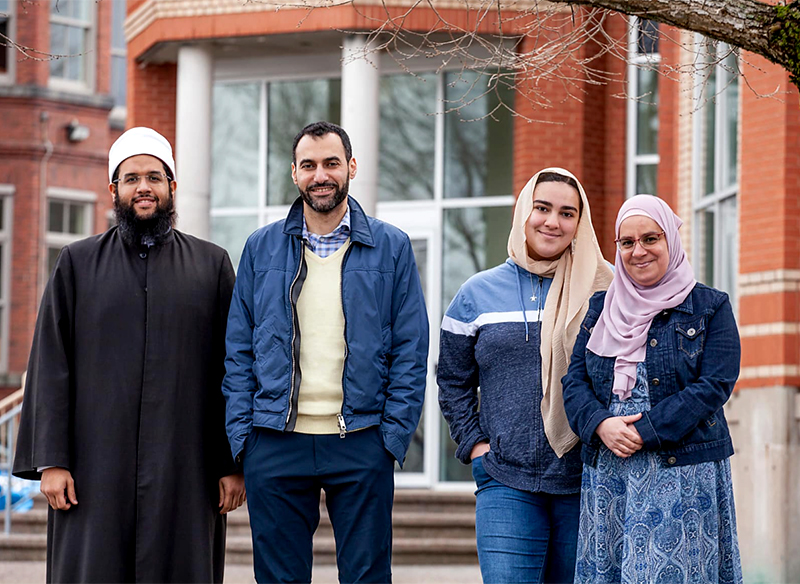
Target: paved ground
x=34, y=573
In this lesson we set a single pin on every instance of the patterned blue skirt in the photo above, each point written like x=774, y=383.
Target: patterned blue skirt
x=644, y=523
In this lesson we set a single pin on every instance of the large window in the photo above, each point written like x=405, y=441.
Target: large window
x=69, y=218
x=6, y=32
x=119, y=55
x=644, y=58
x=445, y=177
x=715, y=175
x=6, y=198
x=71, y=37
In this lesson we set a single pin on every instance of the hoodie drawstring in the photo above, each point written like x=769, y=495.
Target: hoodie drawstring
x=522, y=303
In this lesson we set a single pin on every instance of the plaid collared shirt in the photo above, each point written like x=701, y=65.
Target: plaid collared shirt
x=325, y=245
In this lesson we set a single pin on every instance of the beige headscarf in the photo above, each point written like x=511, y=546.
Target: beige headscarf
x=576, y=275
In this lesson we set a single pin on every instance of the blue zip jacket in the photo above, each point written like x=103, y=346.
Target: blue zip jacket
x=490, y=339
x=386, y=332
x=692, y=360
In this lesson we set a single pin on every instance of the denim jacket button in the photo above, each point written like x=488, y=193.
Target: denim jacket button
x=653, y=342
x=672, y=460
x=655, y=381
x=691, y=332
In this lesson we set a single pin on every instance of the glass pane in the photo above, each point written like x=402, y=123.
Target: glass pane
x=235, y=135
x=1, y=272
x=408, y=136
x=52, y=256
x=3, y=31
x=55, y=220
x=415, y=458
x=709, y=133
x=420, y=248
x=76, y=46
x=647, y=112
x=473, y=239
x=78, y=9
x=646, y=179
x=705, y=271
x=77, y=219
x=451, y=468
x=729, y=246
x=647, y=36
x=478, y=149
x=2, y=214
x=118, y=9
x=58, y=46
x=119, y=68
x=232, y=232
x=732, y=122
x=292, y=106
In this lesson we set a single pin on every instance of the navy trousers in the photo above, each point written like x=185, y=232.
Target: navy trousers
x=284, y=472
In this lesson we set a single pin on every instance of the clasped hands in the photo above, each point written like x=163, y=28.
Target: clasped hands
x=619, y=435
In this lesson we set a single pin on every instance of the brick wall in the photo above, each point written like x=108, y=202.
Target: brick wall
x=28, y=123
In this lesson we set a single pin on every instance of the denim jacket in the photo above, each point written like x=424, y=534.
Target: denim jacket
x=692, y=361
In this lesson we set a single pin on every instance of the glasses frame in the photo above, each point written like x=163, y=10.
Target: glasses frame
x=638, y=240
x=119, y=181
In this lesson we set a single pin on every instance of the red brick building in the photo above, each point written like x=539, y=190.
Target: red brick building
x=229, y=83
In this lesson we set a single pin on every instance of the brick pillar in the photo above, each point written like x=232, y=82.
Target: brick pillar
x=764, y=412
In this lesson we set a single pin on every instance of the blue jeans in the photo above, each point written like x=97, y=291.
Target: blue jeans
x=522, y=536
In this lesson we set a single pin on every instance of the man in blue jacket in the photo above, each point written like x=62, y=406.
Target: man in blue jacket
x=327, y=347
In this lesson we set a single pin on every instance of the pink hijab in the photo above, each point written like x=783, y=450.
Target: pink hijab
x=621, y=331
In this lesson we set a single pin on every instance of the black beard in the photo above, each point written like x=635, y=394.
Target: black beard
x=134, y=229
x=329, y=204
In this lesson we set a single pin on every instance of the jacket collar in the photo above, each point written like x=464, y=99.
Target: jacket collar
x=360, y=231
x=686, y=305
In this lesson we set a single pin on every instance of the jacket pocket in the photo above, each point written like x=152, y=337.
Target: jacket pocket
x=691, y=338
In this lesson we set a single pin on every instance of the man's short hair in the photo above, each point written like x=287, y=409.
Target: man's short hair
x=320, y=129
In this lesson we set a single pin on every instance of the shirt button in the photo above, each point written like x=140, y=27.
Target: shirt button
x=655, y=381
x=591, y=330
x=653, y=342
x=691, y=332
x=672, y=460
x=143, y=255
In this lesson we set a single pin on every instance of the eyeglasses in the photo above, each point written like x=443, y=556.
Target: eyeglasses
x=153, y=179
x=647, y=240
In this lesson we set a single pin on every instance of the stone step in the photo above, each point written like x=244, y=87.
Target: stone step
x=406, y=551
x=429, y=527
x=452, y=524
x=32, y=547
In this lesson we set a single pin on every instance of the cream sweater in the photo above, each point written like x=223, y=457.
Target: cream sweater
x=322, y=344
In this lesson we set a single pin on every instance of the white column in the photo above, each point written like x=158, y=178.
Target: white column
x=193, y=139
x=361, y=116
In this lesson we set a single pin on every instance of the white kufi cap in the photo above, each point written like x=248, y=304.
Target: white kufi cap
x=137, y=141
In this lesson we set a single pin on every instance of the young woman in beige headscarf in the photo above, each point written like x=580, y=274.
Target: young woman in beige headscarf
x=510, y=331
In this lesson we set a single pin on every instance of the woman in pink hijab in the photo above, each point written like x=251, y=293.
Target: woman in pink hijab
x=656, y=359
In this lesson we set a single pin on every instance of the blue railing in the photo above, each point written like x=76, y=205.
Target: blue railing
x=20, y=493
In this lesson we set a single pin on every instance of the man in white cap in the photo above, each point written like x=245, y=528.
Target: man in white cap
x=123, y=417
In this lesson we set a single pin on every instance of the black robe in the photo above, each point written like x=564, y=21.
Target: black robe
x=123, y=390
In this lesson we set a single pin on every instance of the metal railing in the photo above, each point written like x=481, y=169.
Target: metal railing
x=10, y=409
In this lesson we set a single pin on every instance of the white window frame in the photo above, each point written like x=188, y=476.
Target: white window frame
x=635, y=62
x=6, y=240
x=722, y=193
x=87, y=200
x=87, y=84
x=7, y=78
